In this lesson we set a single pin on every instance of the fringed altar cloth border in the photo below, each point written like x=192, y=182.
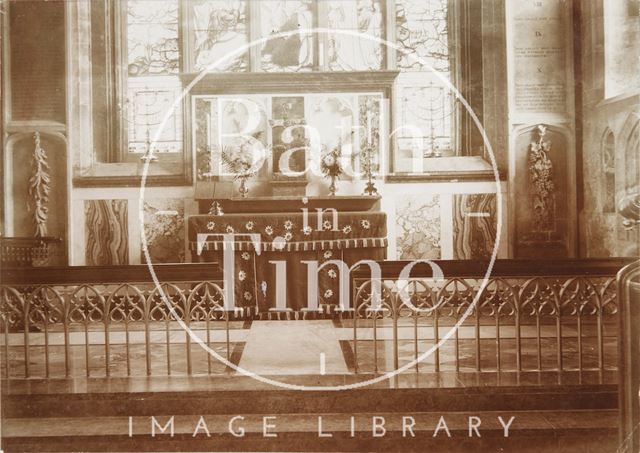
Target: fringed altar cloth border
x=299, y=246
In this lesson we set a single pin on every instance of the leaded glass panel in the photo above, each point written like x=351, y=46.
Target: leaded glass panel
x=219, y=32
x=152, y=37
x=426, y=119
x=149, y=100
x=353, y=52
x=291, y=52
x=422, y=32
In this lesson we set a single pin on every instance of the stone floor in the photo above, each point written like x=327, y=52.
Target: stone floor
x=565, y=411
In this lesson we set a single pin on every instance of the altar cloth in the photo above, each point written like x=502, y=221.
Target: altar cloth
x=355, y=236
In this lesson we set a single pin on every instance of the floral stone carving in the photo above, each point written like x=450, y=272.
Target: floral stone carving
x=541, y=178
x=39, y=188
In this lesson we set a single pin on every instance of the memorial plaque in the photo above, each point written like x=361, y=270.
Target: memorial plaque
x=539, y=49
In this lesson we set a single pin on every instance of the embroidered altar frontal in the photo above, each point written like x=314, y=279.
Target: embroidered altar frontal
x=285, y=237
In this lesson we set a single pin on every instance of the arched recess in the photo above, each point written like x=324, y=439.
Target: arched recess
x=543, y=206
x=628, y=153
x=631, y=143
x=21, y=166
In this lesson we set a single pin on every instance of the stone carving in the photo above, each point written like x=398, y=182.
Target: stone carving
x=39, y=188
x=541, y=177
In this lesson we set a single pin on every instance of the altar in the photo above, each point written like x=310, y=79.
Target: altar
x=290, y=238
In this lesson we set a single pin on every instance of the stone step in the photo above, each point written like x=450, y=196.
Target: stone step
x=581, y=431
x=280, y=401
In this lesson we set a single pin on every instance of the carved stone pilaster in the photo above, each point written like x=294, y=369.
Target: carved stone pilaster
x=39, y=187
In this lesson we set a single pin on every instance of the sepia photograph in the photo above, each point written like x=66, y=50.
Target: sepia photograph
x=320, y=226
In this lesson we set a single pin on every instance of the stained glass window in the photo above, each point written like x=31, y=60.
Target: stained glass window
x=290, y=52
x=428, y=109
x=219, y=33
x=353, y=52
x=149, y=100
x=152, y=37
x=425, y=102
x=152, y=85
x=422, y=32
x=164, y=39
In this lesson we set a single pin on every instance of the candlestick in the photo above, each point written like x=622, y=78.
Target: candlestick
x=370, y=188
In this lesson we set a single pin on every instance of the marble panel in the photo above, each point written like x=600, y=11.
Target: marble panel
x=474, y=225
x=106, y=233
x=164, y=230
x=418, y=227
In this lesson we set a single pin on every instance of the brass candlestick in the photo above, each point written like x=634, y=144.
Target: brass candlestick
x=370, y=189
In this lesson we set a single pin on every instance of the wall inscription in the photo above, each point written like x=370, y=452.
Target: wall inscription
x=539, y=49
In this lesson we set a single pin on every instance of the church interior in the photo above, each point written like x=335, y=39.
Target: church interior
x=320, y=209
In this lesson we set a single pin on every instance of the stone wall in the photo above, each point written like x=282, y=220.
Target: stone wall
x=606, y=120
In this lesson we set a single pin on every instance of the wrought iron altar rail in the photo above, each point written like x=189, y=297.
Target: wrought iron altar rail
x=559, y=315
x=58, y=311
x=112, y=321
